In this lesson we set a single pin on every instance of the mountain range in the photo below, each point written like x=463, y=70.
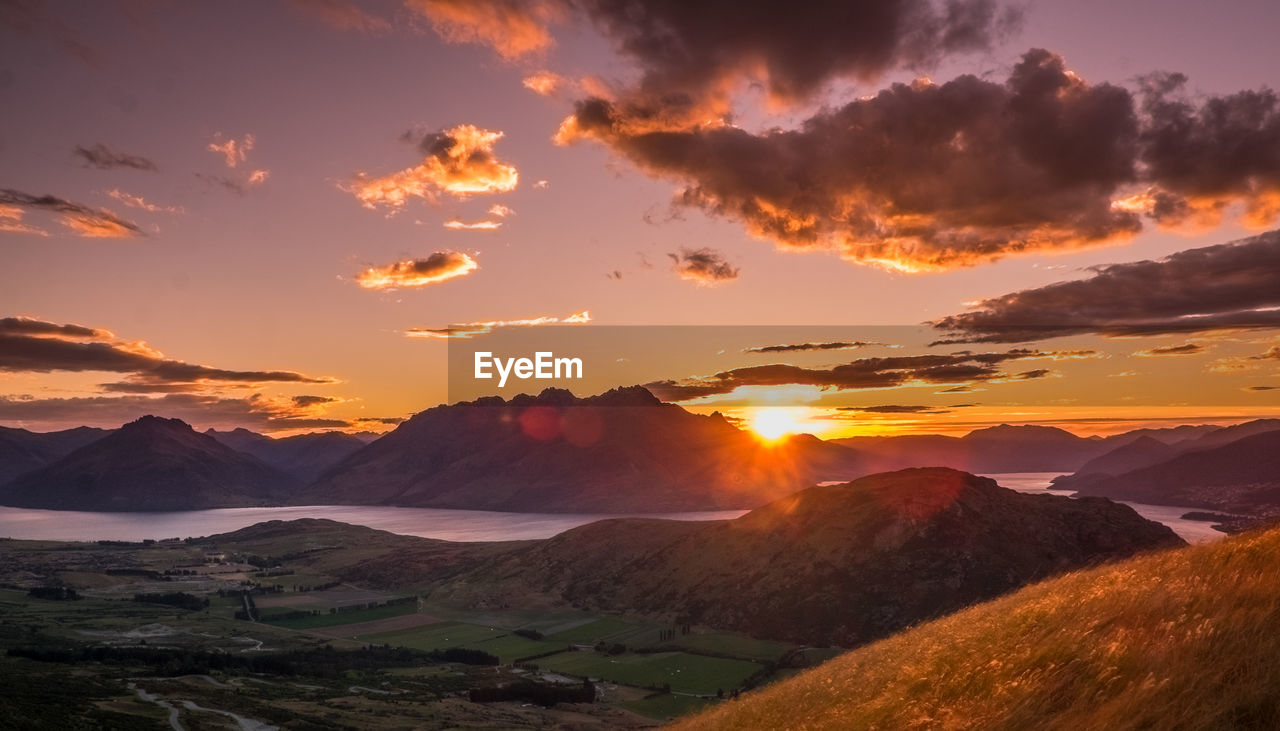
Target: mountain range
x=623, y=451
x=150, y=464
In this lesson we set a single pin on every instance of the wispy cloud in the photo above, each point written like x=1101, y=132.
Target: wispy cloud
x=104, y=158
x=412, y=273
x=454, y=224
x=137, y=201
x=83, y=220
x=802, y=347
x=472, y=329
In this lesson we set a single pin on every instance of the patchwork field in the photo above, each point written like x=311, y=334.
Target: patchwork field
x=685, y=673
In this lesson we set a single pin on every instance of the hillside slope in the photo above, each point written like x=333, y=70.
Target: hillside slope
x=840, y=564
x=1180, y=639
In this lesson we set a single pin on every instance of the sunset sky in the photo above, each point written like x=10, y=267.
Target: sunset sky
x=275, y=215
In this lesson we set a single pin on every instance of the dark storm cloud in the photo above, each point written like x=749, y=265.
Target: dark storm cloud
x=32, y=326
x=33, y=346
x=801, y=347
x=704, y=266
x=1223, y=287
x=305, y=401
x=888, y=372
x=84, y=220
x=104, y=158
x=920, y=176
x=698, y=50
x=690, y=53
x=1204, y=157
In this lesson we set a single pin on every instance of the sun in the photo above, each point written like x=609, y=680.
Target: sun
x=771, y=423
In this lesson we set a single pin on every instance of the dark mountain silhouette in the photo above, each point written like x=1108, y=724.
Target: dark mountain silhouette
x=1228, y=434
x=1002, y=448
x=841, y=564
x=1142, y=452
x=304, y=456
x=621, y=451
x=150, y=464
x=22, y=451
x=1242, y=476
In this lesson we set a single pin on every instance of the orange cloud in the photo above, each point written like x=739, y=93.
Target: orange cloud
x=544, y=83
x=258, y=177
x=84, y=220
x=459, y=162
x=439, y=267
x=233, y=152
x=513, y=28
x=471, y=329
x=456, y=225
x=500, y=211
x=137, y=201
x=11, y=222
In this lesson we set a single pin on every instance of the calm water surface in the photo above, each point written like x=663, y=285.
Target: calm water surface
x=451, y=525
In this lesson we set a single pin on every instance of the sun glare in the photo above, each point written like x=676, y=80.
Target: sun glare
x=772, y=423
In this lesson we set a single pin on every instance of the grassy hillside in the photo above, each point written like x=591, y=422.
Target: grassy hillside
x=1187, y=638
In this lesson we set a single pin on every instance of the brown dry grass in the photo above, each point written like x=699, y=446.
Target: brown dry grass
x=1185, y=639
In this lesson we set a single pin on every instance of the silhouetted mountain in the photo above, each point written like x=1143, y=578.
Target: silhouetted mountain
x=621, y=451
x=22, y=451
x=1168, y=435
x=1228, y=434
x=1142, y=452
x=1002, y=448
x=150, y=464
x=841, y=564
x=305, y=456
x=1242, y=476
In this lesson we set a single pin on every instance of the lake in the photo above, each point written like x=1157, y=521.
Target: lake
x=449, y=525
x=1191, y=531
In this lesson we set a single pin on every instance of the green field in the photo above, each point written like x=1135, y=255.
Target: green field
x=667, y=705
x=724, y=643
x=608, y=629
x=684, y=672
x=438, y=636
x=325, y=619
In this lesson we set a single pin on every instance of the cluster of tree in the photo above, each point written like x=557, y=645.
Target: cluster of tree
x=315, y=587
x=464, y=656
x=181, y=572
x=317, y=662
x=143, y=573
x=529, y=634
x=57, y=593
x=539, y=693
x=616, y=648
x=269, y=573
x=179, y=599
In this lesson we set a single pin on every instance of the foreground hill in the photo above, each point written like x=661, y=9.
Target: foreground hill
x=842, y=564
x=149, y=464
x=22, y=451
x=1242, y=476
x=1181, y=639
x=621, y=451
x=304, y=456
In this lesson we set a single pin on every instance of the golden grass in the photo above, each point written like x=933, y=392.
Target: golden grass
x=1186, y=639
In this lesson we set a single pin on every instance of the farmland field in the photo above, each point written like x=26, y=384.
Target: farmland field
x=339, y=618
x=684, y=672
